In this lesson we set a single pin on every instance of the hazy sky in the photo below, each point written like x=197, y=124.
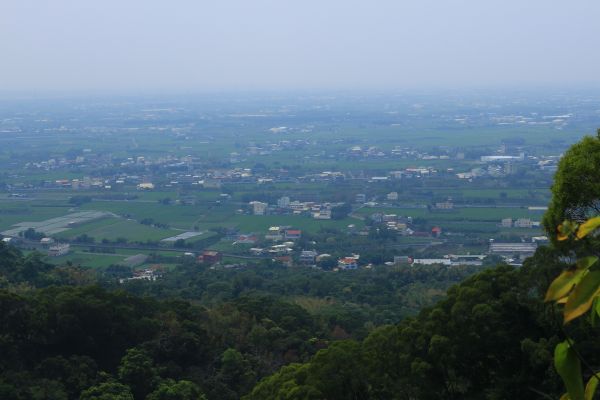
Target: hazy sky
x=201, y=45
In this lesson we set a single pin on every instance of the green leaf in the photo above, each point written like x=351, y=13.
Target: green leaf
x=580, y=300
x=562, y=285
x=587, y=227
x=590, y=388
x=566, y=229
x=586, y=262
x=568, y=367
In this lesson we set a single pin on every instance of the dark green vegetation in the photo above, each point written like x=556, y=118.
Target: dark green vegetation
x=230, y=329
x=491, y=338
x=350, y=303
x=576, y=192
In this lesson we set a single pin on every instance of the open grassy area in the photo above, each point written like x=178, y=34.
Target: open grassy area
x=176, y=216
x=90, y=260
x=87, y=228
x=79, y=256
x=131, y=230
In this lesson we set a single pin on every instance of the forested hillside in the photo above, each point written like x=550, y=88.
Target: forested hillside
x=68, y=331
x=492, y=337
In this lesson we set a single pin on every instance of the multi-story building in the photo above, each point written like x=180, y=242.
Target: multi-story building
x=259, y=208
x=58, y=250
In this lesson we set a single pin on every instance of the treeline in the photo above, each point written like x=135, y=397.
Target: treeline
x=347, y=302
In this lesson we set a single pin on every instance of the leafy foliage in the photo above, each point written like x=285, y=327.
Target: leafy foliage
x=578, y=288
x=575, y=191
x=490, y=338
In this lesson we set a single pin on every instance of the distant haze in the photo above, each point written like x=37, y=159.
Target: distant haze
x=173, y=45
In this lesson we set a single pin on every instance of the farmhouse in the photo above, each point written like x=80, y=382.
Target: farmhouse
x=59, y=250
x=348, y=262
x=293, y=234
x=275, y=233
x=211, y=256
x=308, y=256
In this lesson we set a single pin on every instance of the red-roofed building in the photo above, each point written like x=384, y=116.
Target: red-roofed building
x=292, y=234
x=436, y=231
x=348, y=263
x=210, y=257
x=285, y=260
x=247, y=239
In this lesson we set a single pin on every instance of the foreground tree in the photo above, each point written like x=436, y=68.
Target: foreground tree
x=578, y=288
x=575, y=191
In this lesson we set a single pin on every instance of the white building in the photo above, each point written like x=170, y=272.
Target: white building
x=322, y=214
x=432, y=261
x=520, y=157
x=523, y=223
x=444, y=205
x=59, y=250
x=275, y=233
x=283, y=202
x=258, y=207
x=393, y=196
x=145, y=186
x=308, y=256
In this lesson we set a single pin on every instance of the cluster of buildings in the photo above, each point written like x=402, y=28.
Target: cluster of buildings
x=86, y=158
x=519, y=223
x=275, y=250
x=278, y=233
x=284, y=205
x=369, y=151
x=149, y=274
x=449, y=260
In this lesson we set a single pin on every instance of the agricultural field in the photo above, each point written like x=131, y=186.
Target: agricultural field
x=91, y=260
x=115, y=228
x=176, y=216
